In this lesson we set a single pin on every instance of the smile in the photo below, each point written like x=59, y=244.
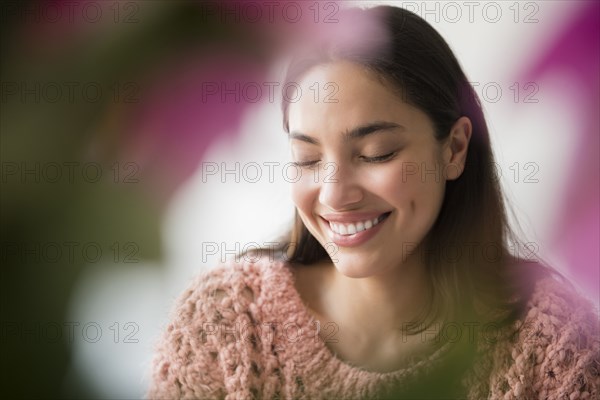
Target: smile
x=350, y=231
x=347, y=229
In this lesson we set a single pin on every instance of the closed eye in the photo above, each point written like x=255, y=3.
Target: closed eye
x=378, y=159
x=302, y=164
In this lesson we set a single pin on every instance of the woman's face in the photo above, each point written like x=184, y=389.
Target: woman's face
x=372, y=173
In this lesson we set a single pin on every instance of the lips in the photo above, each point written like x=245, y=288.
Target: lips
x=354, y=229
x=350, y=228
x=352, y=217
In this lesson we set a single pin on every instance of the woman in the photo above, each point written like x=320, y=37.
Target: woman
x=396, y=280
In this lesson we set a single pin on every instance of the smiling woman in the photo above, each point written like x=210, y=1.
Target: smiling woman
x=396, y=279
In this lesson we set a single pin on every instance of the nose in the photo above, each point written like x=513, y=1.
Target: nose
x=340, y=187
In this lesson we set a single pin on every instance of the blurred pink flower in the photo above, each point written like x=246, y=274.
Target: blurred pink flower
x=577, y=52
x=195, y=98
x=184, y=108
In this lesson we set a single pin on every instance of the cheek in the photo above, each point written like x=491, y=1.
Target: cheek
x=423, y=194
x=386, y=182
x=304, y=194
x=415, y=187
x=423, y=173
x=398, y=183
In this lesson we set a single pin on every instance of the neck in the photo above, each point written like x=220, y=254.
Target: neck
x=381, y=304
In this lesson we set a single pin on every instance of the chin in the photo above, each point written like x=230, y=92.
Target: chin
x=353, y=269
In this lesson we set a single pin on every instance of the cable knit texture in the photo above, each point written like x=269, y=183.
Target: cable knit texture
x=242, y=331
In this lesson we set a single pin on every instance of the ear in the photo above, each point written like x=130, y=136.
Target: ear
x=456, y=146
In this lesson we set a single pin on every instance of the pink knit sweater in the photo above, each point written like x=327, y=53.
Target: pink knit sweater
x=242, y=331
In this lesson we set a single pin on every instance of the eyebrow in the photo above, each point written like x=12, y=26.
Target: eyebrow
x=358, y=132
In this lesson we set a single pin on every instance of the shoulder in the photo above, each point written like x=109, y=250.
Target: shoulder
x=556, y=351
x=557, y=310
x=200, y=347
x=231, y=288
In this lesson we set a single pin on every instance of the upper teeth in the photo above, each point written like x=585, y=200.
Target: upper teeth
x=352, y=228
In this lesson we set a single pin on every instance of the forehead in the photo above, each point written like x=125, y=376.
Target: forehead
x=336, y=97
